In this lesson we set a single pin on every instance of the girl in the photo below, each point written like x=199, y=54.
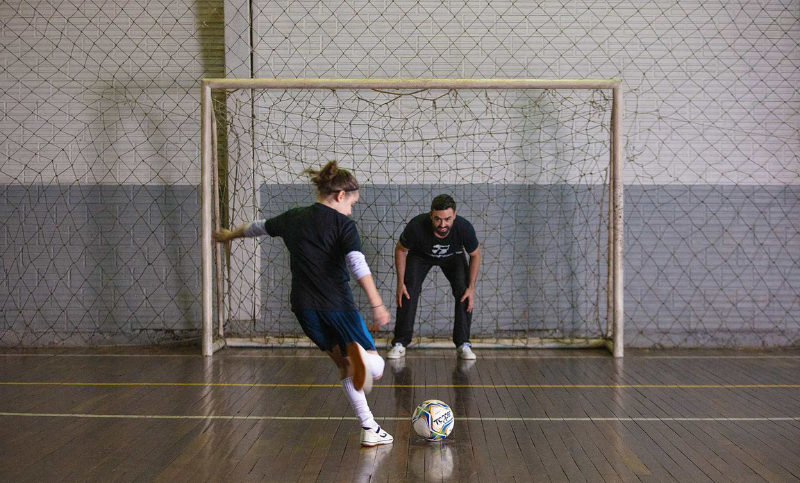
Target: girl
x=322, y=240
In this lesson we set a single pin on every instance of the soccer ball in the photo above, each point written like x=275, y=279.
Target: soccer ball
x=433, y=420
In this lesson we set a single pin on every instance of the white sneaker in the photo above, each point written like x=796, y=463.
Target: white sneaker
x=465, y=352
x=362, y=376
x=396, y=352
x=375, y=437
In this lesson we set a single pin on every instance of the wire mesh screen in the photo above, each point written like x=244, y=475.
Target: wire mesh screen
x=99, y=207
x=99, y=141
x=529, y=169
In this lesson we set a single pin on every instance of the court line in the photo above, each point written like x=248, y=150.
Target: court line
x=399, y=386
x=392, y=418
x=530, y=355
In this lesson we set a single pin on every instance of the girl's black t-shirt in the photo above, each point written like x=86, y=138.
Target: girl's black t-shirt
x=318, y=238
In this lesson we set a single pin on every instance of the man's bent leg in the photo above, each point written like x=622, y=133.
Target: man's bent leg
x=457, y=273
x=416, y=270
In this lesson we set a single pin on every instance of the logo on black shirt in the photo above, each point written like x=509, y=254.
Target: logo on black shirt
x=440, y=251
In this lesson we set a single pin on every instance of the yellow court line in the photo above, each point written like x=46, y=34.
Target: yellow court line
x=454, y=386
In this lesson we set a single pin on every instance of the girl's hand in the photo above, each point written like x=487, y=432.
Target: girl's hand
x=222, y=235
x=380, y=317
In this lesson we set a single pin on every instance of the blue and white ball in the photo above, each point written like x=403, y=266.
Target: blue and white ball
x=433, y=420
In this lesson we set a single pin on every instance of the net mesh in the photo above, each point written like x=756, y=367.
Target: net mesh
x=99, y=146
x=99, y=135
x=529, y=170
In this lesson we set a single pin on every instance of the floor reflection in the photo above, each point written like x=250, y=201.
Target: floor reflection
x=464, y=367
x=372, y=463
x=431, y=461
x=403, y=396
x=462, y=396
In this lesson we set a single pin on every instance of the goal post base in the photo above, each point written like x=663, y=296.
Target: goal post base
x=422, y=343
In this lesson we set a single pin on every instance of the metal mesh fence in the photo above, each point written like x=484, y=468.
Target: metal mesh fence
x=99, y=168
x=99, y=138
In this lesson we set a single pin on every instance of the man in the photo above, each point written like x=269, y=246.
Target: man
x=439, y=238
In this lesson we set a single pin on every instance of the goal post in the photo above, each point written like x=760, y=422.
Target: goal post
x=527, y=167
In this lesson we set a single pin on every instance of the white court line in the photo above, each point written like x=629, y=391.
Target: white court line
x=385, y=418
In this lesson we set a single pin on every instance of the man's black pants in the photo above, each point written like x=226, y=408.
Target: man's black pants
x=456, y=269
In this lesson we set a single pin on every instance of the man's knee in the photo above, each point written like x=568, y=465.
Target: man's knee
x=458, y=289
x=414, y=287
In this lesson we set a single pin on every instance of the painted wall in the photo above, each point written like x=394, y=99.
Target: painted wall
x=102, y=98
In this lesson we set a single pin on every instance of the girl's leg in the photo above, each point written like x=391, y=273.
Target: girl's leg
x=358, y=400
x=375, y=362
x=355, y=340
x=318, y=327
x=371, y=432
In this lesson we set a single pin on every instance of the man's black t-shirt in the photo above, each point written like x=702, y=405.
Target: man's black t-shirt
x=318, y=238
x=420, y=240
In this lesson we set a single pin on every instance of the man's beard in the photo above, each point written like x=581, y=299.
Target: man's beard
x=443, y=231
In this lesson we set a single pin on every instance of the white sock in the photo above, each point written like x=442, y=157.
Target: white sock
x=375, y=364
x=358, y=400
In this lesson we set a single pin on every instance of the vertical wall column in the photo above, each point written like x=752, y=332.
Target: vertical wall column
x=243, y=289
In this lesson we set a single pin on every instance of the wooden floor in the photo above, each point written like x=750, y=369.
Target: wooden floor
x=280, y=416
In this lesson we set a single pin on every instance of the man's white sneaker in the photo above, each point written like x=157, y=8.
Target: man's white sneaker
x=375, y=437
x=465, y=352
x=396, y=352
x=362, y=376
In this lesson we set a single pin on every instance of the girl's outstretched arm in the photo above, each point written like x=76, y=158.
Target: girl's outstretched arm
x=248, y=230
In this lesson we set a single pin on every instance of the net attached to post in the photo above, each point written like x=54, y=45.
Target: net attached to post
x=530, y=169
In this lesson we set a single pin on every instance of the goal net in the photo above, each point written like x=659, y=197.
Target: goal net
x=530, y=163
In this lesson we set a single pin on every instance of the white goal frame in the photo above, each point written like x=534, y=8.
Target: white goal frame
x=614, y=307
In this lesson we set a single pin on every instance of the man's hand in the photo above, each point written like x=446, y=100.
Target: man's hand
x=401, y=291
x=222, y=235
x=380, y=316
x=469, y=294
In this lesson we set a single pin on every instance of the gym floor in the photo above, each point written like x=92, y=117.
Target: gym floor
x=279, y=415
